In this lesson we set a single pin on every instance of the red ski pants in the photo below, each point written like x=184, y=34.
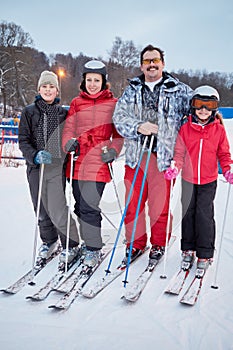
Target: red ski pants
x=157, y=194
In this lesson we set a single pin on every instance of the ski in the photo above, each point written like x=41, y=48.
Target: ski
x=133, y=292
x=43, y=293
x=191, y=294
x=66, y=284
x=28, y=277
x=177, y=282
x=98, y=286
x=79, y=282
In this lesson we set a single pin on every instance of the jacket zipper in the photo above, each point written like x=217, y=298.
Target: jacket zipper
x=199, y=161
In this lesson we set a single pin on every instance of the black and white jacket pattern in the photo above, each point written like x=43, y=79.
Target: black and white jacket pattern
x=173, y=104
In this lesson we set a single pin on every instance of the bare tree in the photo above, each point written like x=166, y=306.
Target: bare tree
x=123, y=59
x=13, y=42
x=124, y=53
x=13, y=35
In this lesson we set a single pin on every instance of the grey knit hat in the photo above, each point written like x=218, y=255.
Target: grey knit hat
x=48, y=77
x=95, y=66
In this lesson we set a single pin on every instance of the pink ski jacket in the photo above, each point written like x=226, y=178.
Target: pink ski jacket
x=199, y=148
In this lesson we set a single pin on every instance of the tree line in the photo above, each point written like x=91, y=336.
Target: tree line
x=21, y=64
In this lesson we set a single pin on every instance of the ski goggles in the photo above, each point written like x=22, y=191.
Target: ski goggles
x=149, y=60
x=199, y=103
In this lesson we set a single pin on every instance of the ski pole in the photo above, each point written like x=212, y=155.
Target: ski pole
x=214, y=285
x=41, y=176
x=45, y=132
x=127, y=205
x=105, y=150
x=110, y=222
x=138, y=209
x=69, y=209
x=168, y=224
x=115, y=188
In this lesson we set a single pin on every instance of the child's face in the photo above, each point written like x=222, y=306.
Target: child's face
x=48, y=92
x=203, y=114
x=93, y=82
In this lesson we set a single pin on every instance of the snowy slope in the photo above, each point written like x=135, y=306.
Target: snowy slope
x=156, y=321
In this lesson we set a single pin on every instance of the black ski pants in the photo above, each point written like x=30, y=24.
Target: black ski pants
x=87, y=195
x=198, y=224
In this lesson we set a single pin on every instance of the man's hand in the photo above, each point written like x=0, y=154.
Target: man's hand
x=148, y=128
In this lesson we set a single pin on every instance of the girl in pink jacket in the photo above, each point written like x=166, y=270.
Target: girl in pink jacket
x=201, y=143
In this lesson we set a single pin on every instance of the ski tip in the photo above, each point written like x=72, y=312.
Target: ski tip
x=29, y=297
x=88, y=295
x=56, y=308
x=170, y=292
x=186, y=303
x=123, y=297
x=129, y=299
x=6, y=291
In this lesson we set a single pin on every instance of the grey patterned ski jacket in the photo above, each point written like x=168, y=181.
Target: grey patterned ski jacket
x=173, y=104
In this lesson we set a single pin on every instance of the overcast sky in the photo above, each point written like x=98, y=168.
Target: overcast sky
x=194, y=34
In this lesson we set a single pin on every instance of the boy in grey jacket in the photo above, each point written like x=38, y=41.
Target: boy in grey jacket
x=40, y=142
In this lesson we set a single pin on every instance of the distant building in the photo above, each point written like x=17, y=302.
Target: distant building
x=227, y=112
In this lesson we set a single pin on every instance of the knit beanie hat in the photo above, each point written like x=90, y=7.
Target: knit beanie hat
x=95, y=66
x=48, y=77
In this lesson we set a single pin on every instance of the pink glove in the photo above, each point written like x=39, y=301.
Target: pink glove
x=171, y=173
x=229, y=176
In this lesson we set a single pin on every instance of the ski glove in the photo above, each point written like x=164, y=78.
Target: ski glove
x=43, y=157
x=171, y=173
x=109, y=156
x=229, y=176
x=73, y=145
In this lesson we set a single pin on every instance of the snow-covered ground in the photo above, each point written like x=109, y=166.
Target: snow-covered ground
x=155, y=321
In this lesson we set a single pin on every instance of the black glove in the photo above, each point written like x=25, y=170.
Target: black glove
x=73, y=145
x=109, y=156
x=154, y=146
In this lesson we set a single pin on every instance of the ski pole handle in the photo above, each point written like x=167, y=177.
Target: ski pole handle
x=105, y=149
x=173, y=164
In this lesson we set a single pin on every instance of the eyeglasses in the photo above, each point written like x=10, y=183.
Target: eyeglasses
x=149, y=60
x=210, y=105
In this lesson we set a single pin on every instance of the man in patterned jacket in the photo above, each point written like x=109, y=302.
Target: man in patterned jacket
x=151, y=106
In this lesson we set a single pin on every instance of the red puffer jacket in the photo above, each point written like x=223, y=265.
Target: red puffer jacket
x=89, y=120
x=198, y=148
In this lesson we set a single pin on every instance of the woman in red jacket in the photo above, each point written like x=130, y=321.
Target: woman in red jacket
x=201, y=143
x=89, y=128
